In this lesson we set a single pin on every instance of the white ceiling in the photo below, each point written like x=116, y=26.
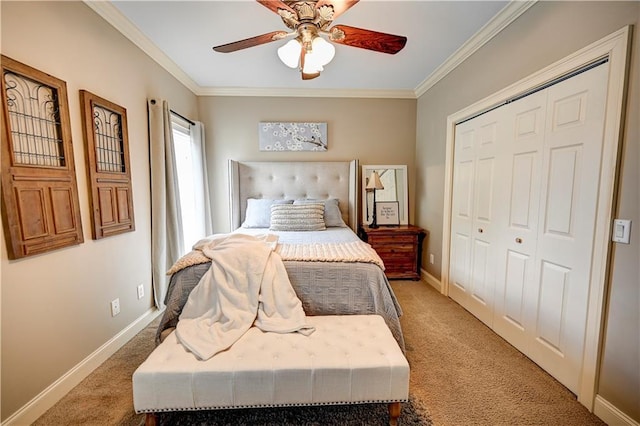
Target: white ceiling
x=180, y=36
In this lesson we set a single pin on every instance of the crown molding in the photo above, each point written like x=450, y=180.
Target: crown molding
x=113, y=16
x=507, y=15
x=306, y=93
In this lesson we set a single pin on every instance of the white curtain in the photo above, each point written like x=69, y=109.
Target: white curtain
x=201, y=180
x=166, y=226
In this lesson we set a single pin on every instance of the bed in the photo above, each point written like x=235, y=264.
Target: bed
x=325, y=287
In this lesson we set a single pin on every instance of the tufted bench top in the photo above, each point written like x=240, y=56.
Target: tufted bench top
x=348, y=359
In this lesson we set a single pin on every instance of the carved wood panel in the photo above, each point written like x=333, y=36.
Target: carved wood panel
x=39, y=190
x=108, y=167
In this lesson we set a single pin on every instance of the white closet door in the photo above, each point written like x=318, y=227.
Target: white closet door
x=474, y=205
x=571, y=174
x=518, y=216
x=525, y=193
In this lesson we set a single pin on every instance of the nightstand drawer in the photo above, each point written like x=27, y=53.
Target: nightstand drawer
x=392, y=239
x=394, y=268
x=395, y=250
x=398, y=247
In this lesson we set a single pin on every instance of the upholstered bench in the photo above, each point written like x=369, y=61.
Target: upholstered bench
x=349, y=359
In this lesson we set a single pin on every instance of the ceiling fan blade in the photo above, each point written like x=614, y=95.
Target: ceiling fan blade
x=274, y=5
x=367, y=39
x=339, y=6
x=250, y=42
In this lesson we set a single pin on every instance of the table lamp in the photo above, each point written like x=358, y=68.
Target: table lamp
x=373, y=184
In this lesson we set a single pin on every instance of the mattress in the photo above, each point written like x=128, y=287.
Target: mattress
x=324, y=288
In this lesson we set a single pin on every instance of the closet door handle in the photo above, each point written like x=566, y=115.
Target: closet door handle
x=480, y=230
x=519, y=240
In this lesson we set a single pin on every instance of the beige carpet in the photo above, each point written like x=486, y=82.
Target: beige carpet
x=461, y=371
x=465, y=374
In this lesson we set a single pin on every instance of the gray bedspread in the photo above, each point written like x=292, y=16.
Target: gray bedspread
x=325, y=288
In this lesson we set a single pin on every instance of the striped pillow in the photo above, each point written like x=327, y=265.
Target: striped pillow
x=297, y=217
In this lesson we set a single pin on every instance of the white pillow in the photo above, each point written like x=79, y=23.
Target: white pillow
x=332, y=214
x=258, y=214
x=301, y=217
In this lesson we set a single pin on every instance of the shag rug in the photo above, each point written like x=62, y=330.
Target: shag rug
x=413, y=414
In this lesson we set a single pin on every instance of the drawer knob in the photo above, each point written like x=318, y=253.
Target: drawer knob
x=480, y=230
x=519, y=240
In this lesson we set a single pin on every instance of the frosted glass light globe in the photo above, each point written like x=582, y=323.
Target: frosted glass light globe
x=289, y=54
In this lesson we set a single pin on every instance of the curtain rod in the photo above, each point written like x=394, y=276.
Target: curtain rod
x=183, y=117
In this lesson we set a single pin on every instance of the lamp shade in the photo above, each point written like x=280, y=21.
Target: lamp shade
x=320, y=54
x=322, y=50
x=289, y=54
x=374, y=181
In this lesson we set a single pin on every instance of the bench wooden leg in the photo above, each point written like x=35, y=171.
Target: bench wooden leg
x=394, y=413
x=151, y=419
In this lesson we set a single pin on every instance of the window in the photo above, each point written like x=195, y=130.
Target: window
x=188, y=152
x=39, y=190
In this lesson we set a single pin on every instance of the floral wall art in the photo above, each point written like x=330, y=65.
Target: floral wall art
x=292, y=136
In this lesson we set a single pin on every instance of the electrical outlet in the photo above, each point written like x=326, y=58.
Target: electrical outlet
x=140, y=291
x=115, y=307
x=432, y=258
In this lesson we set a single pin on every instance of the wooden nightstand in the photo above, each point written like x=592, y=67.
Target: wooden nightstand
x=400, y=248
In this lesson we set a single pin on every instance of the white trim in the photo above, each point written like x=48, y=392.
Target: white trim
x=306, y=93
x=611, y=415
x=120, y=22
x=58, y=389
x=507, y=15
x=113, y=16
x=431, y=280
x=615, y=47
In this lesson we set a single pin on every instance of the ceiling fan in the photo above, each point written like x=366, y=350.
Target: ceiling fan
x=309, y=20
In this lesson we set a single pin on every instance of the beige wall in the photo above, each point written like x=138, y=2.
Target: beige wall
x=56, y=306
x=374, y=131
x=546, y=33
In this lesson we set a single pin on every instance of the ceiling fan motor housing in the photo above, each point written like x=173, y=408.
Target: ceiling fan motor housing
x=306, y=12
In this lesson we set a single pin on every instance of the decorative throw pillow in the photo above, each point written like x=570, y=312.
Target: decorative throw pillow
x=332, y=214
x=301, y=217
x=258, y=214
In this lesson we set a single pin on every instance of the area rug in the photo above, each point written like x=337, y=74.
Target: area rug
x=413, y=414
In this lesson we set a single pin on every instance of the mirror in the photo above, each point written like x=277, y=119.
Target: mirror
x=394, y=180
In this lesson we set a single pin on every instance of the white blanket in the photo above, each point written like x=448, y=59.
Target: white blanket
x=246, y=285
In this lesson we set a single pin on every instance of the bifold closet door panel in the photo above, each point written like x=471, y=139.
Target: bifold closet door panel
x=571, y=174
x=518, y=218
x=474, y=201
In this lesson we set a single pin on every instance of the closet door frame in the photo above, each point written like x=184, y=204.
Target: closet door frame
x=615, y=48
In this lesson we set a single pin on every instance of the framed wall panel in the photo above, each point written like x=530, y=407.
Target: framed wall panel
x=39, y=190
x=108, y=168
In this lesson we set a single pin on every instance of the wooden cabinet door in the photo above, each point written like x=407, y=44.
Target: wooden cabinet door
x=39, y=191
x=108, y=167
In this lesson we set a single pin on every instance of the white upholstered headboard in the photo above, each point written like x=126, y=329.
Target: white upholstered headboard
x=291, y=181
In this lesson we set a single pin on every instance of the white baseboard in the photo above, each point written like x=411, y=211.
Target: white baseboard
x=58, y=389
x=610, y=414
x=431, y=280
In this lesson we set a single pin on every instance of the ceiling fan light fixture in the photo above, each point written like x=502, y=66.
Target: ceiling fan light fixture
x=320, y=54
x=289, y=54
x=322, y=50
x=311, y=65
